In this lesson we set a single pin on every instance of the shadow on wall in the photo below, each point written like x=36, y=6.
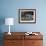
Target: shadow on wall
x=2, y=21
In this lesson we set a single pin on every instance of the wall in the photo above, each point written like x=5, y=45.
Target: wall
x=9, y=8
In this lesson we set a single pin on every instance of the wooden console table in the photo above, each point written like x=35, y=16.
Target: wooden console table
x=20, y=39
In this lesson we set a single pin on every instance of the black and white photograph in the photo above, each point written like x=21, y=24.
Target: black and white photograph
x=27, y=15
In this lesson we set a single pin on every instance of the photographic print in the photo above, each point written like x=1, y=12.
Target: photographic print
x=27, y=15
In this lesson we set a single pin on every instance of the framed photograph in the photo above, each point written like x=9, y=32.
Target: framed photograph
x=27, y=15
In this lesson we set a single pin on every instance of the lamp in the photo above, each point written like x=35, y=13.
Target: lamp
x=9, y=21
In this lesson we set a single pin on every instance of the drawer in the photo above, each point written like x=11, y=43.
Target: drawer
x=13, y=43
x=16, y=37
x=37, y=43
x=33, y=37
x=33, y=43
x=9, y=43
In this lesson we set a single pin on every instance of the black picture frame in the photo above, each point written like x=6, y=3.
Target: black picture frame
x=27, y=15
